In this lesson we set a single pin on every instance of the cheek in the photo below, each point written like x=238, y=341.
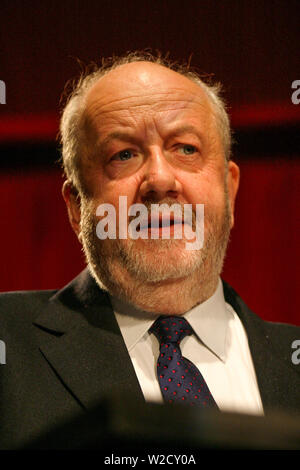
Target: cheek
x=205, y=188
x=110, y=191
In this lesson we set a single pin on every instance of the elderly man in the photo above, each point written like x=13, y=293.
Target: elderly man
x=148, y=316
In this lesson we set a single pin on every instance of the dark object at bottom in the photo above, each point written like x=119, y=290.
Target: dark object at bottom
x=127, y=425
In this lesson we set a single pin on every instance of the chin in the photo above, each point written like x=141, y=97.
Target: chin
x=160, y=261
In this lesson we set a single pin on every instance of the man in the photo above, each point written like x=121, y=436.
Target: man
x=156, y=134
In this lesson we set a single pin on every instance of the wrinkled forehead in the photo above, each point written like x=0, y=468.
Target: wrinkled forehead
x=142, y=84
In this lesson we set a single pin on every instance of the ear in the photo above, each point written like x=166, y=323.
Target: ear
x=72, y=200
x=233, y=180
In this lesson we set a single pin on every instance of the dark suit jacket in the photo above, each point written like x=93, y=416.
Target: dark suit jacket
x=64, y=351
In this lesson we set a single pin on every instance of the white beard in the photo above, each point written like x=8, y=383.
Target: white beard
x=152, y=261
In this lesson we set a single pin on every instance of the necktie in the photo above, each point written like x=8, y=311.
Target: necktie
x=180, y=380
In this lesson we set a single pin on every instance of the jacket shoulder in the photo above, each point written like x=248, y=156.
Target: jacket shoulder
x=23, y=304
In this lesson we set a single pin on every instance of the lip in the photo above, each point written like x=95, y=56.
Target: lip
x=160, y=221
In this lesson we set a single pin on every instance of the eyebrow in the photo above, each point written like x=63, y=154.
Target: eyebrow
x=185, y=130
x=118, y=135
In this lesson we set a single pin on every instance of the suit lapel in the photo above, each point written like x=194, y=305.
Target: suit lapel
x=81, y=341
x=277, y=384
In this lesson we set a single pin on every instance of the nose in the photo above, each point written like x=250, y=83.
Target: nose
x=159, y=178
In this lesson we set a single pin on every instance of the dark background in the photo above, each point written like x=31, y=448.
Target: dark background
x=252, y=47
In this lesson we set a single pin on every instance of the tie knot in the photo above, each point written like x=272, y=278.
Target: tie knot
x=171, y=329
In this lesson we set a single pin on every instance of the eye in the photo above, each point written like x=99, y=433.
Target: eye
x=123, y=155
x=188, y=149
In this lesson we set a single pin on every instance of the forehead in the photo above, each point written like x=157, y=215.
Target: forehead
x=140, y=85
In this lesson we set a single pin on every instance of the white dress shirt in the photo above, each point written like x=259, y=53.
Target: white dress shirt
x=219, y=348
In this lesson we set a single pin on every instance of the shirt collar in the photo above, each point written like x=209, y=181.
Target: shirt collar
x=134, y=323
x=209, y=321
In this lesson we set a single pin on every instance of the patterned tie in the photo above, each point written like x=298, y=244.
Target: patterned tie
x=179, y=379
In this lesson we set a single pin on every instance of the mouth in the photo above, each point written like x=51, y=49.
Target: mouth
x=159, y=222
x=162, y=226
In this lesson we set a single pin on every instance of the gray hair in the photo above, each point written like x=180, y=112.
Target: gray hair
x=71, y=128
